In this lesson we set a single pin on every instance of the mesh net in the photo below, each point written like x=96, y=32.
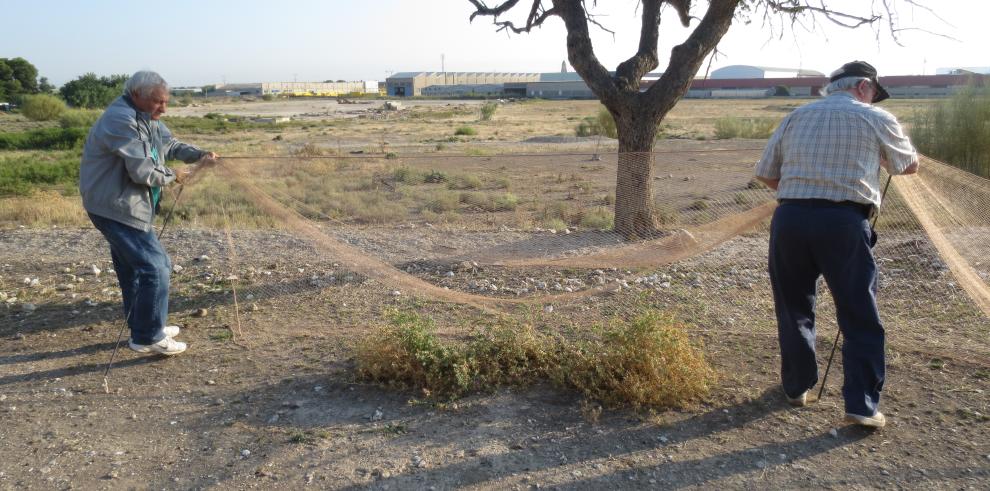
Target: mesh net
x=517, y=234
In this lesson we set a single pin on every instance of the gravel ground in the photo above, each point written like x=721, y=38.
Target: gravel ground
x=265, y=396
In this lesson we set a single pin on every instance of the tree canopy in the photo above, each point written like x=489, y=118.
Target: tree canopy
x=92, y=92
x=18, y=77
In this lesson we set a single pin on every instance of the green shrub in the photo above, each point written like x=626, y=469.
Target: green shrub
x=24, y=174
x=601, y=124
x=744, y=127
x=646, y=362
x=465, y=131
x=42, y=107
x=408, y=354
x=488, y=110
x=79, y=118
x=43, y=139
x=956, y=131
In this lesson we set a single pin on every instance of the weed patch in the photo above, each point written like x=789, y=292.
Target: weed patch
x=744, y=128
x=646, y=362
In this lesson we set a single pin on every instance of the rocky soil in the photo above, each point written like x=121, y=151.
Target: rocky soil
x=265, y=396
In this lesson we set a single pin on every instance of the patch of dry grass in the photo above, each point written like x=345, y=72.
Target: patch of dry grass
x=646, y=362
x=42, y=209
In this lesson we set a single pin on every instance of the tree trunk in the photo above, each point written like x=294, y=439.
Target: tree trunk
x=634, y=207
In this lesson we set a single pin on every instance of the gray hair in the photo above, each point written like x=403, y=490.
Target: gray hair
x=144, y=82
x=844, y=84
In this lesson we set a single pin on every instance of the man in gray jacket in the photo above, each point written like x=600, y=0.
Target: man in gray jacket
x=120, y=179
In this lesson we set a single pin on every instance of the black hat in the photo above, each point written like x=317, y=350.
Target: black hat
x=861, y=69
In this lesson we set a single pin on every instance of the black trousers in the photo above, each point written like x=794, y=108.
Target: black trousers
x=810, y=239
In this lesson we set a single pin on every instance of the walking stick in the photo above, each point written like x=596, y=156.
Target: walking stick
x=120, y=334
x=838, y=334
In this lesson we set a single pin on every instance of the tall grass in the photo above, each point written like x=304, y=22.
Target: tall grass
x=23, y=174
x=488, y=110
x=758, y=128
x=43, y=139
x=79, y=118
x=42, y=209
x=957, y=130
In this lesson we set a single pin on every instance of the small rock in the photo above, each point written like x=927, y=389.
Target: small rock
x=833, y=433
x=95, y=270
x=27, y=281
x=34, y=283
x=201, y=313
x=28, y=307
x=204, y=258
x=273, y=419
x=254, y=307
x=176, y=268
x=548, y=309
x=211, y=382
x=245, y=453
x=377, y=415
x=396, y=293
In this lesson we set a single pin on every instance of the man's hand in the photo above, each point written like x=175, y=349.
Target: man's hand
x=209, y=159
x=183, y=173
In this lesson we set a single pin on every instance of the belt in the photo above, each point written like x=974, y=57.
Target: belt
x=864, y=208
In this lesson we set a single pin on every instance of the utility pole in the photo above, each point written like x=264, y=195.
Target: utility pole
x=443, y=68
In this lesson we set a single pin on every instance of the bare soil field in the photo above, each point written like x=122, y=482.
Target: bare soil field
x=266, y=396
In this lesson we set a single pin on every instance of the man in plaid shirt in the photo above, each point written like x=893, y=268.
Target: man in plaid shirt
x=824, y=162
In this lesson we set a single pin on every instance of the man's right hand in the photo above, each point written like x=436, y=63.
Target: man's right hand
x=183, y=173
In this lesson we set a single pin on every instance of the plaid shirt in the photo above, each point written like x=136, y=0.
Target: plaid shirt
x=831, y=149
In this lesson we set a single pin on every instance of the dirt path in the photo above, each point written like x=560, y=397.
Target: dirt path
x=278, y=408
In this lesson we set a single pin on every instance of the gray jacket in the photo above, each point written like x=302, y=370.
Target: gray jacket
x=118, y=170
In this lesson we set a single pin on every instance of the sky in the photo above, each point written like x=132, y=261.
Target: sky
x=201, y=42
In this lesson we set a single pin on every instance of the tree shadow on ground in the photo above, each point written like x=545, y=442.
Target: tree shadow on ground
x=524, y=425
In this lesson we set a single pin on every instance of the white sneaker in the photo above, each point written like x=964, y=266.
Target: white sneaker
x=799, y=401
x=167, y=346
x=876, y=421
x=170, y=332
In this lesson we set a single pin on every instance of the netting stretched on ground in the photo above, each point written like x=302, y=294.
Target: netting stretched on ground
x=519, y=233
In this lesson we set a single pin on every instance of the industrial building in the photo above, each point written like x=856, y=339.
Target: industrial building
x=902, y=86
x=406, y=84
x=298, y=89
x=748, y=71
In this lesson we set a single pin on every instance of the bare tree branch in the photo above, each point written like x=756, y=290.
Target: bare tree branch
x=629, y=72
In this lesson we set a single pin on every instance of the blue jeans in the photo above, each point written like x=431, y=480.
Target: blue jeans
x=810, y=239
x=143, y=270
